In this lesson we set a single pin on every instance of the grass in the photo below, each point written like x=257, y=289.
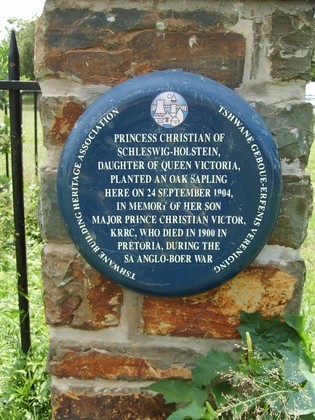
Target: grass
x=24, y=382
x=28, y=138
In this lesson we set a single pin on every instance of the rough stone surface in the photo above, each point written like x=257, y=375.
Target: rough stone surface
x=52, y=226
x=73, y=406
x=291, y=47
x=93, y=364
x=111, y=47
x=291, y=125
x=63, y=123
x=202, y=49
x=61, y=113
x=295, y=211
x=216, y=313
x=75, y=294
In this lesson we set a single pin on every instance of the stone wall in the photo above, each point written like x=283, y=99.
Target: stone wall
x=107, y=343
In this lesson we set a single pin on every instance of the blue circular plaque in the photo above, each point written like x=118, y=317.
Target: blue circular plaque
x=169, y=184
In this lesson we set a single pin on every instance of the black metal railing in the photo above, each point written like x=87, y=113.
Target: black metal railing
x=16, y=87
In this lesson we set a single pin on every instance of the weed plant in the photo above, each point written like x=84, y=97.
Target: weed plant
x=269, y=377
x=24, y=382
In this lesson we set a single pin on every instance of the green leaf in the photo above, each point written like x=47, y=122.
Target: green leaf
x=303, y=402
x=300, y=325
x=297, y=322
x=221, y=391
x=297, y=373
x=177, y=391
x=191, y=412
x=296, y=364
x=209, y=366
x=267, y=334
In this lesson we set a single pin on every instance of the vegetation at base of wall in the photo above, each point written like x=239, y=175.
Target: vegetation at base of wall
x=24, y=382
x=269, y=376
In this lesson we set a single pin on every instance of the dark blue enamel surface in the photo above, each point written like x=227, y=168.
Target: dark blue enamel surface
x=175, y=249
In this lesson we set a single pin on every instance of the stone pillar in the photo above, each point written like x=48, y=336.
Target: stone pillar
x=107, y=343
